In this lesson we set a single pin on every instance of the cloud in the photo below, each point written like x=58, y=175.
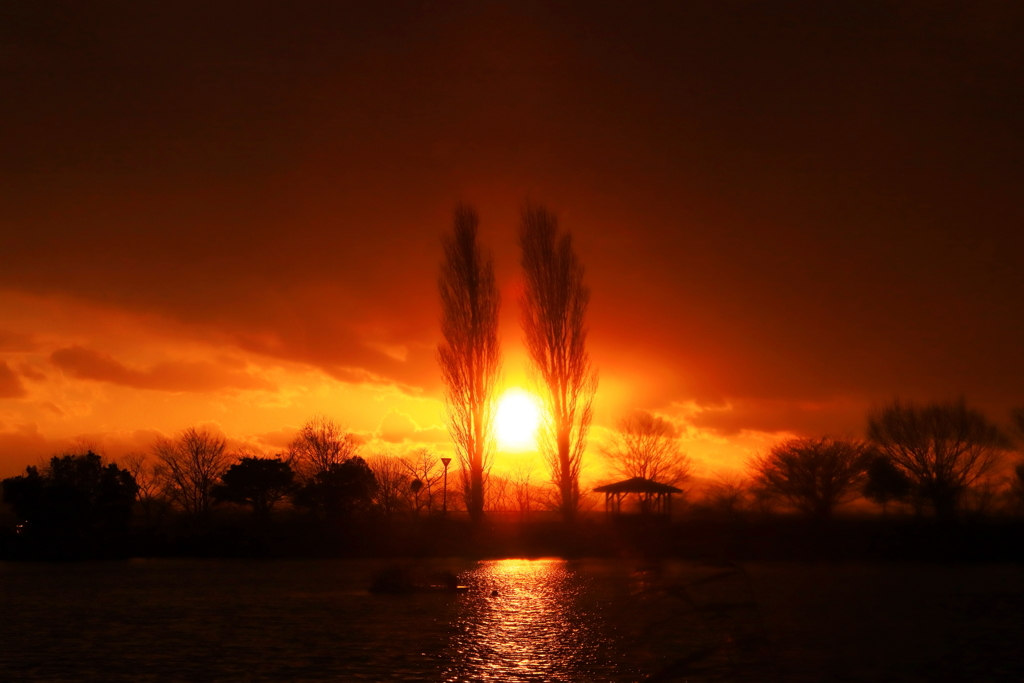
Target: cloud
x=30, y=372
x=278, y=439
x=16, y=341
x=397, y=427
x=23, y=446
x=172, y=376
x=778, y=417
x=10, y=384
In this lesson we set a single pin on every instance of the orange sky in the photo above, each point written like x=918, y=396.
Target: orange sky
x=788, y=212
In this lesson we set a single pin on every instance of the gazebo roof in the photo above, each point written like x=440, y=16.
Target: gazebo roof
x=637, y=485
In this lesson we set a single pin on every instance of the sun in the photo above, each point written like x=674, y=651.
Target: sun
x=517, y=420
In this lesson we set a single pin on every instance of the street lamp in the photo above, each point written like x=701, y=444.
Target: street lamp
x=445, y=462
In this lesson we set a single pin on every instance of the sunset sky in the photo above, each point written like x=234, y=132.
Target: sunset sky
x=789, y=212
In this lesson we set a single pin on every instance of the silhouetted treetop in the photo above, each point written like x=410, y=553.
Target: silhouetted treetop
x=320, y=444
x=341, y=491
x=943, y=448
x=192, y=463
x=813, y=475
x=74, y=496
x=885, y=482
x=647, y=446
x=259, y=483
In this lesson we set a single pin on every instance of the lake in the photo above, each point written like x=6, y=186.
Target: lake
x=521, y=620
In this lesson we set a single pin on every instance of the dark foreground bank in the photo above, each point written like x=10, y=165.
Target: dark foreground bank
x=775, y=538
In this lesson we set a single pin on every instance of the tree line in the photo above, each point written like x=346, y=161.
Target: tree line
x=81, y=496
x=939, y=458
x=931, y=459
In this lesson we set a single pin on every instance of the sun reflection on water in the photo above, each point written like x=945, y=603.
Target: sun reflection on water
x=524, y=621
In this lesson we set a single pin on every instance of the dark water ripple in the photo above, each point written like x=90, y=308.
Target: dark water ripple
x=539, y=620
x=171, y=620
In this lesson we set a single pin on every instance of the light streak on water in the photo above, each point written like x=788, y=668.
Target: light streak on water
x=526, y=620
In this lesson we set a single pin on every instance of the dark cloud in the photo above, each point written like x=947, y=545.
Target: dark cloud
x=776, y=202
x=845, y=418
x=178, y=376
x=10, y=384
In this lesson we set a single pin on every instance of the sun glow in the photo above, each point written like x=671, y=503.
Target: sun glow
x=517, y=420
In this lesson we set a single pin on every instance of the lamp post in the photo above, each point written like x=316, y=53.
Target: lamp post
x=445, y=462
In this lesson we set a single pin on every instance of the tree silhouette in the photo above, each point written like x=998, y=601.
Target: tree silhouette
x=728, y=496
x=392, y=483
x=423, y=467
x=813, y=475
x=260, y=483
x=1017, y=478
x=1017, y=419
x=148, y=477
x=320, y=444
x=885, y=482
x=192, y=465
x=647, y=446
x=340, y=492
x=523, y=490
x=469, y=354
x=1017, y=483
x=74, y=497
x=943, y=448
x=554, y=306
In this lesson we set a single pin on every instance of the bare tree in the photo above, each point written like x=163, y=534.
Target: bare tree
x=728, y=496
x=392, y=482
x=813, y=475
x=148, y=478
x=425, y=472
x=944, y=448
x=469, y=354
x=647, y=446
x=320, y=444
x=192, y=464
x=524, y=491
x=500, y=496
x=554, y=307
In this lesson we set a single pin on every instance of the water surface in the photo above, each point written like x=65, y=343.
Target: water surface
x=521, y=620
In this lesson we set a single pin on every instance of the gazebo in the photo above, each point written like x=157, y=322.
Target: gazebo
x=654, y=497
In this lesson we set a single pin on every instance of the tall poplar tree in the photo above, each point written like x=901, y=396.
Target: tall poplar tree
x=554, y=307
x=469, y=355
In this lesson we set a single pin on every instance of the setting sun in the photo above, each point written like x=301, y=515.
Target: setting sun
x=517, y=420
